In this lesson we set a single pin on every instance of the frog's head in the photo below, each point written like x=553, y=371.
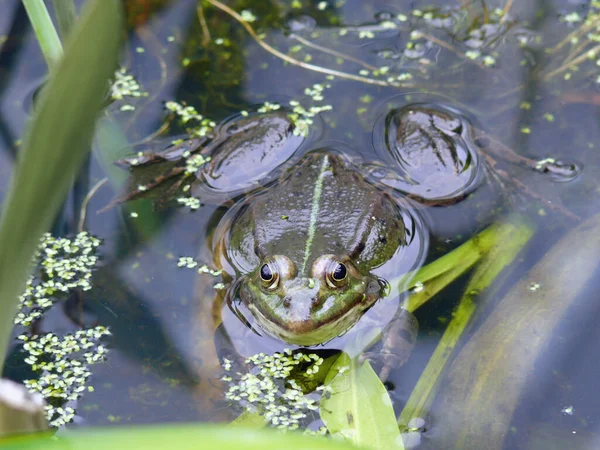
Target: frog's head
x=308, y=310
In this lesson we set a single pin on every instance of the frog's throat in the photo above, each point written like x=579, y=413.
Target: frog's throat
x=316, y=202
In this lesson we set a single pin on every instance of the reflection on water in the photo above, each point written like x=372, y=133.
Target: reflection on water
x=520, y=100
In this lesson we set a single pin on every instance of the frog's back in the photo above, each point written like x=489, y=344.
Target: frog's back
x=322, y=206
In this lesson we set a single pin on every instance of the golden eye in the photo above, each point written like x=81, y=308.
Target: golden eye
x=332, y=270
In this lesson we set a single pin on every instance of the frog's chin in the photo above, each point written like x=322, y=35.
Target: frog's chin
x=308, y=337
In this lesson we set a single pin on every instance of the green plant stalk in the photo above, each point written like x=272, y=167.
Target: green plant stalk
x=508, y=243
x=438, y=274
x=44, y=31
x=56, y=142
x=65, y=16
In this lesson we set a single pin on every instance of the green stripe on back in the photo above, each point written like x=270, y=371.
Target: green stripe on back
x=315, y=210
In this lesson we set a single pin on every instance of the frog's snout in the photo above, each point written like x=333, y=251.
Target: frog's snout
x=301, y=291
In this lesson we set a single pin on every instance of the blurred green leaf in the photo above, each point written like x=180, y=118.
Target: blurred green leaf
x=56, y=143
x=180, y=437
x=486, y=380
x=359, y=408
x=249, y=420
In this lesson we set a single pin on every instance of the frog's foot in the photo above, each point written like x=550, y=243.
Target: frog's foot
x=559, y=170
x=398, y=339
x=501, y=175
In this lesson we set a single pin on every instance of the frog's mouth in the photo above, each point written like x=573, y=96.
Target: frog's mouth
x=304, y=333
x=295, y=319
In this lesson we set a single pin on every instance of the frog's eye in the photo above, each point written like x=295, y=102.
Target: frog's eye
x=269, y=278
x=339, y=273
x=336, y=275
x=332, y=271
x=277, y=268
x=266, y=274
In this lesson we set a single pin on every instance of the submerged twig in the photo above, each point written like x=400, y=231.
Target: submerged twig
x=205, y=31
x=573, y=62
x=296, y=62
x=505, y=10
x=574, y=35
x=86, y=200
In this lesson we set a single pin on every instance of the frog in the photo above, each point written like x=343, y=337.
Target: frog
x=303, y=275
x=313, y=232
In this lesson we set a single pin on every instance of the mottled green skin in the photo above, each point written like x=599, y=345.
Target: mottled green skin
x=319, y=212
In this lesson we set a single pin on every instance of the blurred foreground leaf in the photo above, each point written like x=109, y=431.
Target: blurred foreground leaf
x=487, y=378
x=359, y=408
x=55, y=144
x=180, y=437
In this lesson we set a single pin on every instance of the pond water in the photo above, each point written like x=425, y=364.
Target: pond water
x=521, y=77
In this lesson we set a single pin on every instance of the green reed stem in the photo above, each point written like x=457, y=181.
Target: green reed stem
x=435, y=276
x=44, y=30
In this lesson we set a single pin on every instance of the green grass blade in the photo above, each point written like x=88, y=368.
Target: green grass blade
x=55, y=144
x=44, y=30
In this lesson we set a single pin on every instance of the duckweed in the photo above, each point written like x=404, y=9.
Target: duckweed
x=61, y=363
x=269, y=389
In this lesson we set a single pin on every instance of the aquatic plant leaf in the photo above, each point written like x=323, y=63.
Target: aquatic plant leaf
x=54, y=147
x=487, y=378
x=358, y=407
x=180, y=437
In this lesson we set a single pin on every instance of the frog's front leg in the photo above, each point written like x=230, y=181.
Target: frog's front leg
x=173, y=152
x=398, y=339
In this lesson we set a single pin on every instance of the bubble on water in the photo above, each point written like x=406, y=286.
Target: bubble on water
x=301, y=24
